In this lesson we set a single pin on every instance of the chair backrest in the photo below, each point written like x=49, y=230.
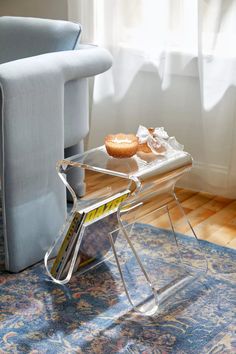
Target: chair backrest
x=22, y=37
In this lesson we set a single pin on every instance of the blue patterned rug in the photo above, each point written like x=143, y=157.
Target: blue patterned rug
x=92, y=314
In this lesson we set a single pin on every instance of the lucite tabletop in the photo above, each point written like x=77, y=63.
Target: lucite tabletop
x=139, y=166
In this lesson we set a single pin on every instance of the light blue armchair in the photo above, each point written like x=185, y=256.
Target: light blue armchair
x=44, y=112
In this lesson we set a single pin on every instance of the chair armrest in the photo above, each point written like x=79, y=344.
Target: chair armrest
x=87, y=61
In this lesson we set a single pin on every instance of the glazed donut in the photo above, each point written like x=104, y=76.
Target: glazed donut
x=121, y=145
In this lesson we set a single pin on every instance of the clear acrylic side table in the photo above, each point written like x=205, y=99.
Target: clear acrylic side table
x=142, y=234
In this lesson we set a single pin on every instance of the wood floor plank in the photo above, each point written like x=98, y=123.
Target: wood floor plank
x=232, y=243
x=197, y=200
x=213, y=223
x=223, y=235
x=200, y=214
x=217, y=203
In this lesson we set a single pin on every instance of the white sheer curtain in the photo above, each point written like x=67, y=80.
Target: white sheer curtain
x=174, y=65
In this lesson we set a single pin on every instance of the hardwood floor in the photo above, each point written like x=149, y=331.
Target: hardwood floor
x=213, y=217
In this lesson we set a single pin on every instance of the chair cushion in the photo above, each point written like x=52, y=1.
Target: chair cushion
x=22, y=37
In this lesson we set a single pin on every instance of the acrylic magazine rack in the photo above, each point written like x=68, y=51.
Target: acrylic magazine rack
x=131, y=215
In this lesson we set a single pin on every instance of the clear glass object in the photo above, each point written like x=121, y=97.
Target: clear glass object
x=141, y=233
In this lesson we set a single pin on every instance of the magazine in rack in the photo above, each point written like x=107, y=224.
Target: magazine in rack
x=94, y=245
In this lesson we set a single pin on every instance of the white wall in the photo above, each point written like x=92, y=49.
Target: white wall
x=55, y=9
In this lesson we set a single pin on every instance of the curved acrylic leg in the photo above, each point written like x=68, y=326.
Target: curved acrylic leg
x=196, y=267
x=177, y=260
x=72, y=230
x=147, y=304
x=71, y=263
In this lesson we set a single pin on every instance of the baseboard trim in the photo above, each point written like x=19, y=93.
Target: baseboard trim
x=210, y=178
